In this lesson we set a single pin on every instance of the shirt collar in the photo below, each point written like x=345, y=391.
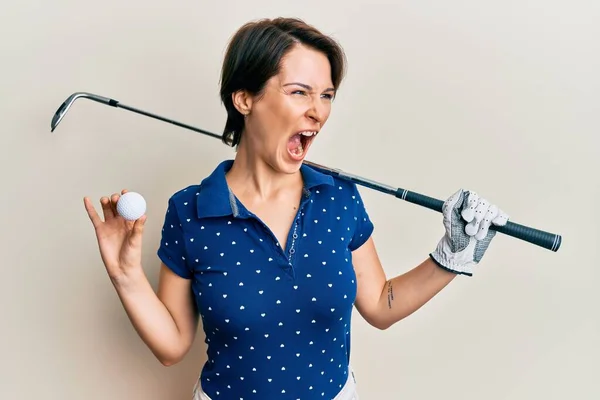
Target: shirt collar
x=216, y=200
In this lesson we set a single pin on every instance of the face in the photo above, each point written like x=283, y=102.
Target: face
x=285, y=120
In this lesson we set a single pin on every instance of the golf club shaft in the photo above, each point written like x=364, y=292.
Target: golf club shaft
x=537, y=237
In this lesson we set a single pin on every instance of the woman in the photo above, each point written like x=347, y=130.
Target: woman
x=271, y=254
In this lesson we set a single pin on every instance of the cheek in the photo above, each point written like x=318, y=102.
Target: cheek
x=274, y=115
x=279, y=120
x=326, y=112
x=266, y=123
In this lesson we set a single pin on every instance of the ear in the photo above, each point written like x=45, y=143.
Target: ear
x=242, y=100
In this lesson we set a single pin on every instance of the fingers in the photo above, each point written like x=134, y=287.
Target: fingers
x=137, y=230
x=475, y=212
x=484, y=226
x=480, y=215
x=501, y=219
x=91, y=211
x=473, y=227
x=114, y=199
x=108, y=205
x=470, y=207
x=138, y=226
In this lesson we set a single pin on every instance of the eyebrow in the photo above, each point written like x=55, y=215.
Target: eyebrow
x=307, y=87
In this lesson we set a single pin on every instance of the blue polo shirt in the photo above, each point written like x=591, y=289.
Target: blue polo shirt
x=276, y=320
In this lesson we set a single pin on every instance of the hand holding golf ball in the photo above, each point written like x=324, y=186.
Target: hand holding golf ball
x=120, y=234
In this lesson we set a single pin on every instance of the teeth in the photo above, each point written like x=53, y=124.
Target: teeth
x=299, y=151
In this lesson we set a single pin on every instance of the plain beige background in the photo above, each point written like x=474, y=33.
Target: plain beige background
x=496, y=96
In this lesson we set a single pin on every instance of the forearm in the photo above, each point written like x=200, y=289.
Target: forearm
x=150, y=317
x=406, y=293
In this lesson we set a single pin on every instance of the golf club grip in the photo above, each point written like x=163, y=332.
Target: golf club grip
x=544, y=239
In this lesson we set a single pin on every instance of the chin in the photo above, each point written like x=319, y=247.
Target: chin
x=284, y=163
x=289, y=165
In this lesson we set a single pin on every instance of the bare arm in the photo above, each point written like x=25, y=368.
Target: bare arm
x=382, y=302
x=166, y=321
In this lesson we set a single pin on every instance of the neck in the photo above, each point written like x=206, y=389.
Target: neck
x=250, y=175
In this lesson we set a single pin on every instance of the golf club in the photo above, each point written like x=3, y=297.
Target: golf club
x=537, y=237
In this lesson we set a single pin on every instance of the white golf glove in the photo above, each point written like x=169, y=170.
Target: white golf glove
x=467, y=219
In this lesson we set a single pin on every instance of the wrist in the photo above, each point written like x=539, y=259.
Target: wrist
x=446, y=257
x=128, y=279
x=448, y=267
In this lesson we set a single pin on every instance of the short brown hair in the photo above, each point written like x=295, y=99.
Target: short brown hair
x=254, y=55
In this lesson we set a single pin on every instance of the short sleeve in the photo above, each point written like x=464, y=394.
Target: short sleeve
x=171, y=250
x=362, y=223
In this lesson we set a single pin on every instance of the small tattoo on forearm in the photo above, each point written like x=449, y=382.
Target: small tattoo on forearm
x=390, y=291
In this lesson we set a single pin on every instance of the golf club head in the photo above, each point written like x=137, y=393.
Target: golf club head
x=64, y=107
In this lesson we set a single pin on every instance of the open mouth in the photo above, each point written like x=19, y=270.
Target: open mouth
x=300, y=142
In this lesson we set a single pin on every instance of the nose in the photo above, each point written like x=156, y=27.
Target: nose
x=316, y=112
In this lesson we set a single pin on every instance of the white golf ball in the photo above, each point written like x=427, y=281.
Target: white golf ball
x=131, y=206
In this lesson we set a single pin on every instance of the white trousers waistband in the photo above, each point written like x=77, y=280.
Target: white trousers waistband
x=348, y=392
